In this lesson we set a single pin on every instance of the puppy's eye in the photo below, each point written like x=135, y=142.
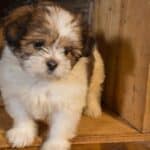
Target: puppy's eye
x=38, y=44
x=67, y=50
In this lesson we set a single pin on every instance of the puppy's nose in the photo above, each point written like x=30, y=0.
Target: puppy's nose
x=52, y=64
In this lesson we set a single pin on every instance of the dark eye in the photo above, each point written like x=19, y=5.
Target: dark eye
x=67, y=50
x=38, y=44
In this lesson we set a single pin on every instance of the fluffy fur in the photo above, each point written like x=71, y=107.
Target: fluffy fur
x=95, y=88
x=27, y=98
x=31, y=91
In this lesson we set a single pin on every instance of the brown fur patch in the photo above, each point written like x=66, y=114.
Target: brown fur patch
x=72, y=48
x=1, y=41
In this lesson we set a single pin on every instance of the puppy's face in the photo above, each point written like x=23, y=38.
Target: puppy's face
x=46, y=39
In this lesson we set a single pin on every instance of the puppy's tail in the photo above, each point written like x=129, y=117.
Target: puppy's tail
x=98, y=68
x=95, y=84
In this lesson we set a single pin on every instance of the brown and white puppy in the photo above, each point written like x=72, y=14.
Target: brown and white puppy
x=42, y=74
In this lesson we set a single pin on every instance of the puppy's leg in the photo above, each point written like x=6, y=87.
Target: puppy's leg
x=24, y=129
x=93, y=108
x=62, y=130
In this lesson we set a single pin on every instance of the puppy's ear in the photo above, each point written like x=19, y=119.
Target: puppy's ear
x=1, y=40
x=15, y=30
x=16, y=23
x=89, y=42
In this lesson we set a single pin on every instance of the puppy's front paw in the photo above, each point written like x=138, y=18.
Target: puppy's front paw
x=21, y=136
x=56, y=145
x=93, y=110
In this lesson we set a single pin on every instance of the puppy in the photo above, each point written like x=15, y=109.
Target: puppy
x=44, y=77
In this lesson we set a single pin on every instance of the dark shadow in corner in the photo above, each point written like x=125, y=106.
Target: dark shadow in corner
x=119, y=64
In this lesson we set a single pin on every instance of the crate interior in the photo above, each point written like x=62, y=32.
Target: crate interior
x=109, y=20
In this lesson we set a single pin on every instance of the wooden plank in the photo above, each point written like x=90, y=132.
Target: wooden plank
x=107, y=129
x=133, y=61
x=137, y=137
x=146, y=124
x=107, y=18
x=123, y=28
x=107, y=29
x=119, y=146
x=124, y=146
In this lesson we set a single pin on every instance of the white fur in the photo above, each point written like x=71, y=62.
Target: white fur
x=61, y=20
x=22, y=134
x=36, y=64
x=28, y=97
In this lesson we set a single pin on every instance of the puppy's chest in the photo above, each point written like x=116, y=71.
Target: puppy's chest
x=53, y=93
x=45, y=98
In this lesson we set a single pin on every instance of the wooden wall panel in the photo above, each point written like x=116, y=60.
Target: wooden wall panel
x=106, y=25
x=146, y=123
x=133, y=65
x=123, y=27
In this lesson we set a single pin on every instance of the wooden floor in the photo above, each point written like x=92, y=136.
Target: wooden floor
x=106, y=129
x=120, y=146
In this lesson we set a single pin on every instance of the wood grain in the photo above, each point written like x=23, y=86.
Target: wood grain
x=122, y=27
x=107, y=29
x=107, y=129
x=119, y=146
x=146, y=123
x=133, y=63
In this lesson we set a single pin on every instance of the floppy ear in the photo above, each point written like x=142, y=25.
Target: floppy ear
x=15, y=25
x=89, y=42
x=1, y=40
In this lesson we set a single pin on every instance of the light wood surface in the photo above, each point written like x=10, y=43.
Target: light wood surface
x=107, y=129
x=119, y=146
x=106, y=26
x=146, y=124
x=133, y=63
x=123, y=28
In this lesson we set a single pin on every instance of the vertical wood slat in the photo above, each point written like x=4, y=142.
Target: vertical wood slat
x=133, y=65
x=125, y=26
x=146, y=123
x=106, y=25
x=107, y=17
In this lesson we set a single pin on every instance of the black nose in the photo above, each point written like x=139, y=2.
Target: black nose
x=52, y=64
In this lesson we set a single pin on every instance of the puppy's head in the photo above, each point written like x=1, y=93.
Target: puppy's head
x=46, y=39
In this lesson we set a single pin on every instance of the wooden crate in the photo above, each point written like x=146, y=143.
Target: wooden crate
x=122, y=29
